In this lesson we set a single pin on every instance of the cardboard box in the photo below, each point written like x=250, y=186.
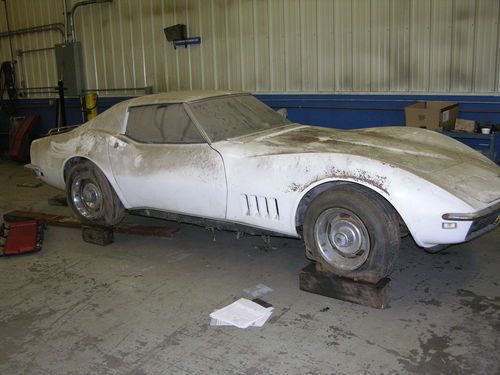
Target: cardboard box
x=462, y=125
x=433, y=115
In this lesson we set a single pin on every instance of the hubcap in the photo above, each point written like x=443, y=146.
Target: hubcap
x=342, y=239
x=86, y=197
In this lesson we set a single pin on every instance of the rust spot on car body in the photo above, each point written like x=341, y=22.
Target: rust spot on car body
x=362, y=176
x=358, y=175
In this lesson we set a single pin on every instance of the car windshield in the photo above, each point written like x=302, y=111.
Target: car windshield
x=234, y=116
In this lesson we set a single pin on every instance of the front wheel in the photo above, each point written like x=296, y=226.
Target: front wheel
x=352, y=232
x=91, y=197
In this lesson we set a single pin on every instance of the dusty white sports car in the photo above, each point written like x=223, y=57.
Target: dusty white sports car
x=227, y=158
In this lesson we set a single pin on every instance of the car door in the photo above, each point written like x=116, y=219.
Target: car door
x=163, y=162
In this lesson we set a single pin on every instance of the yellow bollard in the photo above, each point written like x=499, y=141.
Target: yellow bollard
x=90, y=103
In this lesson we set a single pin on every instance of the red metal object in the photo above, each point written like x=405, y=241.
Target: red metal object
x=21, y=237
x=20, y=141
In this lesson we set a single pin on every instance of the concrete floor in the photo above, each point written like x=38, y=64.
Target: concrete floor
x=142, y=305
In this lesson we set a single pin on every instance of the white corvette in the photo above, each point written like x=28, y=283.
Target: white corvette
x=227, y=158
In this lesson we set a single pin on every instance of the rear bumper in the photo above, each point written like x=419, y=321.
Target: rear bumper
x=35, y=169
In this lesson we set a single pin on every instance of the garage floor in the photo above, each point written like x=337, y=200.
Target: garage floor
x=142, y=305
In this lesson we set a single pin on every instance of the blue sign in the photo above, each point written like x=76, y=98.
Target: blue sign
x=186, y=42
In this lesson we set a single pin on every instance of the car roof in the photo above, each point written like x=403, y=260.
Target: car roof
x=113, y=119
x=179, y=97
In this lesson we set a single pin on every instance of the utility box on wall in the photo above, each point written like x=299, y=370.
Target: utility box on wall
x=70, y=67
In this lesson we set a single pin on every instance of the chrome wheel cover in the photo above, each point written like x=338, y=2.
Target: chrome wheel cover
x=342, y=239
x=86, y=197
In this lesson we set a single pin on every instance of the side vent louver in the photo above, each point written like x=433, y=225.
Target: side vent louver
x=264, y=207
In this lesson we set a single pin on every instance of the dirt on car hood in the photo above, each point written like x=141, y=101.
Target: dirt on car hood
x=437, y=158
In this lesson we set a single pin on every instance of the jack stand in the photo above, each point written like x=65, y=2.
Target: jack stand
x=315, y=280
x=212, y=230
x=267, y=240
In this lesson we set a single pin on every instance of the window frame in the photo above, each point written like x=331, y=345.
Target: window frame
x=189, y=114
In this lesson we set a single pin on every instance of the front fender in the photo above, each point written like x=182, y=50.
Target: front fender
x=419, y=202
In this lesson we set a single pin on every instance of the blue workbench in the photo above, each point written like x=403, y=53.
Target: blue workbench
x=487, y=144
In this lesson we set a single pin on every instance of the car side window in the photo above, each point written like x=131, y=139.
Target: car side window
x=162, y=124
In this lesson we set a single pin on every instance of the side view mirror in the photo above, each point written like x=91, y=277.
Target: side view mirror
x=283, y=112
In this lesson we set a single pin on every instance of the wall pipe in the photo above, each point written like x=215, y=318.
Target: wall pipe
x=39, y=88
x=147, y=89
x=51, y=26
x=371, y=108
x=8, y=30
x=73, y=10
x=362, y=99
x=22, y=94
x=21, y=52
x=65, y=9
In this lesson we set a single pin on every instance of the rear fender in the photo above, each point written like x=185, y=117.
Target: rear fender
x=109, y=176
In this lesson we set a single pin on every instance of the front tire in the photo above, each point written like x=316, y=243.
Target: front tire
x=91, y=197
x=352, y=232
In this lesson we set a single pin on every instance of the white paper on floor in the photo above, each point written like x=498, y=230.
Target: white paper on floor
x=242, y=314
x=258, y=290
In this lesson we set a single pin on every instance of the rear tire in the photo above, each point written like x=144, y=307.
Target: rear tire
x=91, y=197
x=352, y=232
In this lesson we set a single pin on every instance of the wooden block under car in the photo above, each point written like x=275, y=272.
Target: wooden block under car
x=97, y=235
x=58, y=200
x=329, y=285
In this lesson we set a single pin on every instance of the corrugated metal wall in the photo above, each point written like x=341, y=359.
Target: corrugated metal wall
x=38, y=68
x=273, y=45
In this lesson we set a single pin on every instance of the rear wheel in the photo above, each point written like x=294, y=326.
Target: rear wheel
x=91, y=197
x=352, y=232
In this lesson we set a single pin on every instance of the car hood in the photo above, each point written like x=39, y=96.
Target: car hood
x=437, y=158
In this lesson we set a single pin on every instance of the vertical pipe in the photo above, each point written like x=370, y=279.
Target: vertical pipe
x=65, y=7
x=8, y=30
x=62, y=107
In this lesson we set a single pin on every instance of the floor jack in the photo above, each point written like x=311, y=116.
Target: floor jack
x=21, y=237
